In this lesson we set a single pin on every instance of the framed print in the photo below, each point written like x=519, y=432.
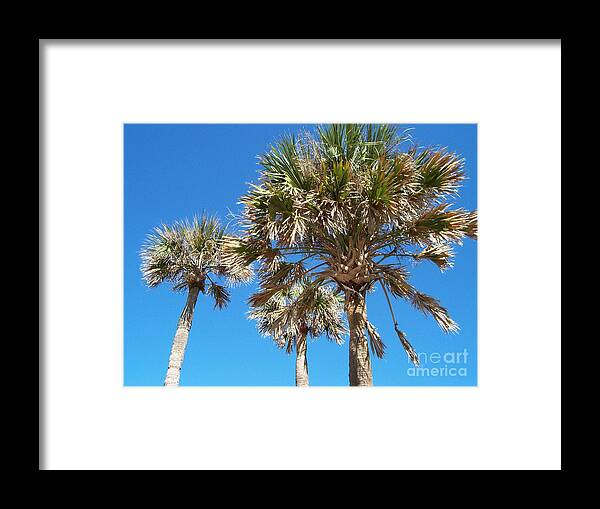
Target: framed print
x=256, y=250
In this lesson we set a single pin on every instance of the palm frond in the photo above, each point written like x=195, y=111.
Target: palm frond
x=163, y=256
x=431, y=306
x=440, y=224
x=439, y=171
x=396, y=280
x=377, y=345
x=410, y=351
x=261, y=298
x=220, y=294
x=440, y=254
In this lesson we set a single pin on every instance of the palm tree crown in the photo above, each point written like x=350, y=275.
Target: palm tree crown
x=302, y=309
x=353, y=207
x=188, y=254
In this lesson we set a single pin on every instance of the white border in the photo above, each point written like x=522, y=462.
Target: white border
x=511, y=421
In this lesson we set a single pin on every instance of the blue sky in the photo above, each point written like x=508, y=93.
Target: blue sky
x=173, y=171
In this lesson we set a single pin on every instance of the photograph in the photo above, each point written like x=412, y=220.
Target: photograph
x=300, y=255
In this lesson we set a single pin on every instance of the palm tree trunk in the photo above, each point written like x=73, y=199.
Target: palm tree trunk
x=181, y=338
x=301, y=363
x=360, y=372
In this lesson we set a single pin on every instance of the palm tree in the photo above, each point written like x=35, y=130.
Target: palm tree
x=355, y=207
x=295, y=313
x=187, y=254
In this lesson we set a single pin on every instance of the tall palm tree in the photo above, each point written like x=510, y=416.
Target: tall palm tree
x=295, y=313
x=355, y=207
x=187, y=254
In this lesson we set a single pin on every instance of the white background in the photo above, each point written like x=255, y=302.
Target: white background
x=511, y=421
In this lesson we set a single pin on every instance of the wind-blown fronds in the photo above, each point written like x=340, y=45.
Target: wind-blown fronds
x=186, y=253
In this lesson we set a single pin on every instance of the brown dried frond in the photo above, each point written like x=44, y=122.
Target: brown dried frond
x=259, y=299
x=410, y=351
x=396, y=279
x=440, y=254
x=429, y=305
x=377, y=345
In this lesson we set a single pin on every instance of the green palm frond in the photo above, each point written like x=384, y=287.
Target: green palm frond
x=439, y=171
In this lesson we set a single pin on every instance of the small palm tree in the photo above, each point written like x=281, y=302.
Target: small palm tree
x=295, y=313
x=355, y=207
x=187, y=254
